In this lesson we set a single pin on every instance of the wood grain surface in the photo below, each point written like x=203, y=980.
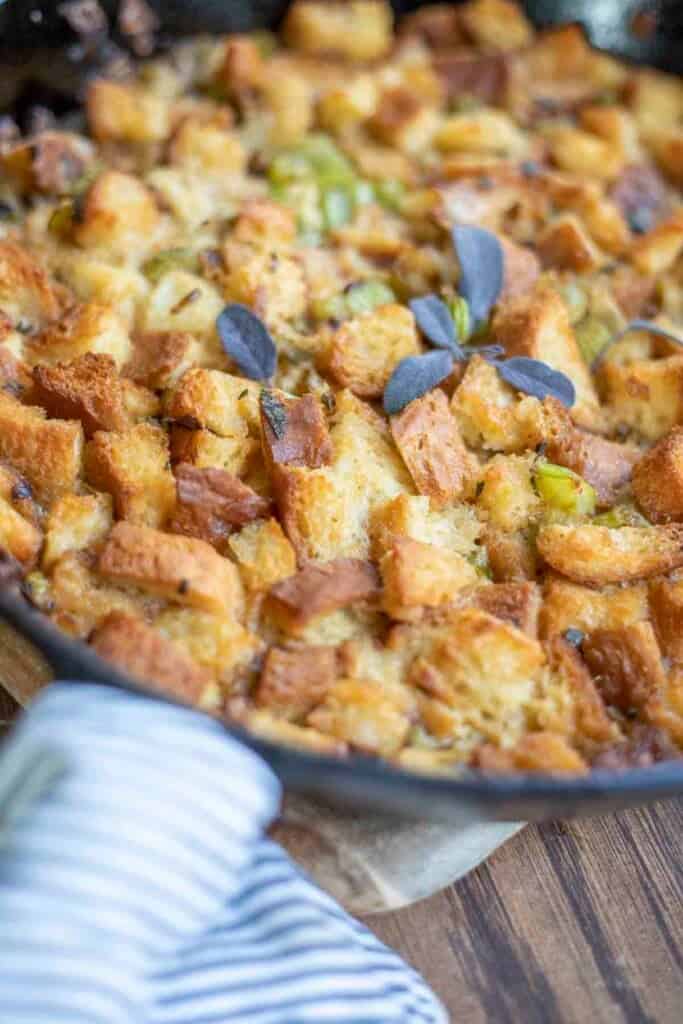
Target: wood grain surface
x=568, y=923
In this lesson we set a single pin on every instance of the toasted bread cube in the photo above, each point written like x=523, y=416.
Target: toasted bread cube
x=582, y=153
x=455, y=529
x=207, y=146
x=416, y=576
x=133, y=466
x=490, y=415
x=270, y=283
x=516, y=603
x=319, y=589
x=88, y=389
x=204, y=449
x=47, y=452
x=144, y=654
x=538, y=326
x=181, y=569
x=211, y=503
x=263, y=553
x=242, y=70
x=511, y=557
x=25, y=289
x=366, y=349
x=213, y=639
x=325, y=512
x=403, y=120
x=184, y=194
x=264, y=223
x=578, y=710
x=363, y=714
x=646, y=394
x=666, y=605
x=570, y=606
x=160, y=358
x=664, y=711
x=656, y=99
x=484, y=131
x=596, y=555
x=657, y=251
x=359, y=30
x=506, y=493
x=427, y=436
x=626, y=664
x=521, y=271
x=537, y=753
x=347, y=105
x=18, y=536
x=288, y=96
x=566, y=245
x=87, y=328
x=118, y=211
x=183, y=302
x=483, y=668
x=496, y=24
x=122, y=112
x=296, y=679
x=51, y=163
x=120, y=289
x=658, y=479
x=75, y=522
x=82, y=599
x=220, y=402
x=294, y=431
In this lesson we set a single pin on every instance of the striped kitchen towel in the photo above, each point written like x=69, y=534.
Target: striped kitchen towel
x=136, y=886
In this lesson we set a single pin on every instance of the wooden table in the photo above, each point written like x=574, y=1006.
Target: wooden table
x=569, y=923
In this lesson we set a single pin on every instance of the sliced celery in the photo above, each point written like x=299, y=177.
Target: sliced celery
x=367, y=295
x=592, y=335
x=563, y=490
x=169, y=259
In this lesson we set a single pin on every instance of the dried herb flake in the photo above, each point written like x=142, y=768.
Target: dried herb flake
x=275, y=413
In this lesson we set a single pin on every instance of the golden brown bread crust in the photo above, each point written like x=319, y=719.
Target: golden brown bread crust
x=88, y=389
x=133, y=466
x=294, y=431
x=417, y=576
x=322, y=588
x=47, y=452
x=658, y=479
x=295, y=679
x=596, y=555
x=517, y=603
x=626, y=664
x=143, y=653
x=212, y=503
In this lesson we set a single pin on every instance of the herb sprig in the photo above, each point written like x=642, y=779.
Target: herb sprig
x=482, y=267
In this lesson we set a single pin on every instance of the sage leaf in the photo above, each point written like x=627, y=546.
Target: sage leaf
x=275, y=413
x=536, y=378
x=434, y=319
x=482, y=265
x=414, y=377
x=246, y=340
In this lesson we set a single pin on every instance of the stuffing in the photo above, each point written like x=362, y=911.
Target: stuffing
x=295, y=679
x=48, y=453
x=211, y=503
x=263, y=554
x=359, y=30
x=117, y=211
x=319, y=589
x=568, y=605
x=89, y=327
x=416, y=576
x=76, y=522
x=365, y=350
x=658, y=479
x=596, y=555
x=133, y=466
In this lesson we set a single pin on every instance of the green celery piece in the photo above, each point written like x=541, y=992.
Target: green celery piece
x=367, y=295
x=592, y=335
x=337, y=207
x=169, y=259
x=563, y=490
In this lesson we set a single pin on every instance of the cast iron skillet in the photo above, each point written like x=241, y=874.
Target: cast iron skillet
x=363, y=782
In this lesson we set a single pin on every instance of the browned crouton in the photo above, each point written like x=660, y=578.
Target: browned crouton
x=242, y=71
x=122, y=112
x=596, y=555
x=181, y=569
x=75, y=522
x=517, y=603
x=537, y=325
x=15, y=376
x=160, y=358
x=522, y=269
x=207, y=145
x=403, y=120
x=145, y=654
x=370, y=717
x=87, y=327
x=82, y=599
x=47, y=452
x=211, y=503
x=270, y=282
x=511, y=556
x=321, y=588
x=225, y=404
x=506, y=495
x=18, y=536
x=496, y=24
x=570, y=606
x=263, y=553
x=626, y=664
x=485, y=76
x=205, y=449
x=658, y=479
x=51, y=163
x=588, y=722
x=117, y=210
x=359, y=30
x=294, y=431
x=418, y=576
x=566, y=245
x=666, y=606
x=427, y=436
x=536, y=753
x=366, y=349
x=25, y=289
x=133, y=467
x=490, y=415
x=657, y=251
x=295, y=679
x=89, y=389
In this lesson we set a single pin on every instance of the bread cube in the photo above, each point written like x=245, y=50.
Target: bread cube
x=319, y=589
x=75, y=522
x=544, y=753
x=160, y=358
x=357, y=31
x=596, y=555
x=133, y=466
x=143, y=653
x=568, y=605
x=506, y=493
x=573, y=705
x=666, y=606
x=242, y=70
x=483, y=131
x=25, y=289
x=644, y=394
x=117, y=211
x=183, y=302
x=18, y=535
x=180, y=569
x=82, y=599
x=657, y=251
x=455, y=529
x=427, y=436
x=363, y=714
x=658, y=479
x=416, y=576
x=211, y=503
x=490, y=415
x=496, y=24
x=123, y=112
x=582, y=153
x=204, y=449
x=294, y=431
x=516, y=603
x=403, y=120
x=538, y=326
x=511, y=557
x=121, y=289
x=566, y=245
x=287, y=94
x=626, y=664
x=296, y=679
x=89, y=327
x=213, y=639
x=47, y=452
x=264, y=555
x=220, y=402
x=207, y=146
x=51, y=163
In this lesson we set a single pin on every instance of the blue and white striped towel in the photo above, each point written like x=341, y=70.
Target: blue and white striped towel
x=136, y=886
